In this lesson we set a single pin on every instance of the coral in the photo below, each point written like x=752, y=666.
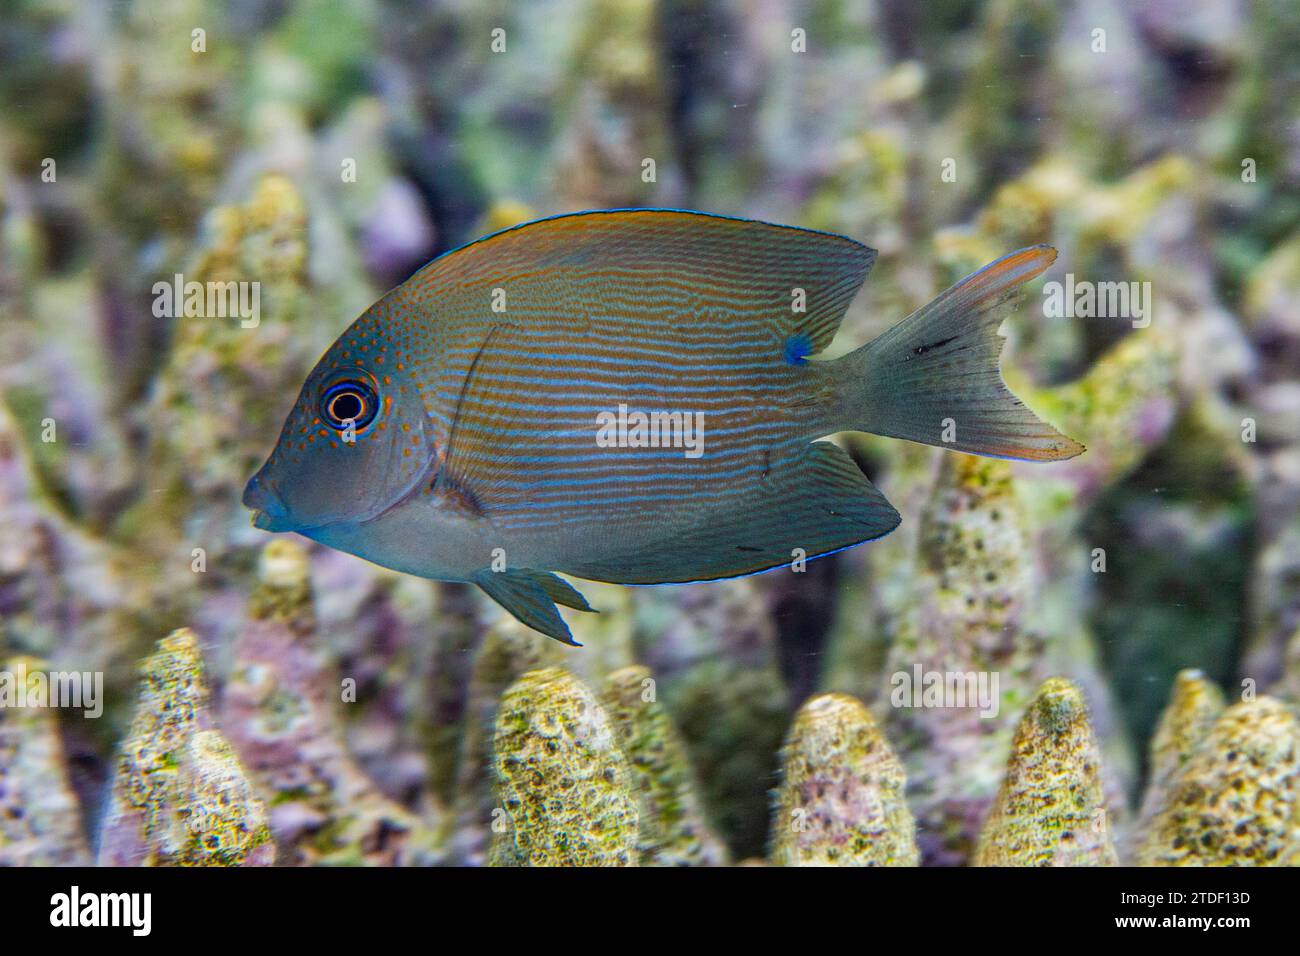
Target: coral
x=456, y=635
x=617, y=75
x=1268, y=305
x=65, y=595
x=82, y=464
x=507, y=652
x=878, y=579
x=165, y=156
x=673, y=830
x=732, y=722
x=383, y=630
x=841, y=799
x=1120, y=409
x=713, y=652
x=226, y=823
x=278, y=709
x=1236, y=801
x=565, y=787
x=40, y=817
x=997, y=115
x=1274, y=602
x=308, y=148
x=1194, y=706
x=180, y=796
x=971, y=590
x=1050, y=810
x=202, y=454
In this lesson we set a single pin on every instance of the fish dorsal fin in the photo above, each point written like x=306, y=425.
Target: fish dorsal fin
x=791, y=285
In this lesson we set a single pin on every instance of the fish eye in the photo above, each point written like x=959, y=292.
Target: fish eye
x=351, y=401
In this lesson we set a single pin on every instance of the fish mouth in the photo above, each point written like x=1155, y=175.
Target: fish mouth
x=269, y=522
x=269, y=512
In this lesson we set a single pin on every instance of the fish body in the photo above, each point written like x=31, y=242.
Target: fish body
x=630, y=396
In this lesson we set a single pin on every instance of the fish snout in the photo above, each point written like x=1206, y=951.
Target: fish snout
x=269, y=512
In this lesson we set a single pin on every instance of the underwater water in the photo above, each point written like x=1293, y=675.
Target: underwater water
x=1087, y=662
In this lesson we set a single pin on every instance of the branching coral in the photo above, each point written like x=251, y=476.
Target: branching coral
x=180, y=796
x=841, y=800
x=280, y=710
x=1050, y=810
x=673, y=830
x=565, y=786
x=1236, y=801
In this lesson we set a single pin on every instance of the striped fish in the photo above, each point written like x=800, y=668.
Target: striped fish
x=631, y=396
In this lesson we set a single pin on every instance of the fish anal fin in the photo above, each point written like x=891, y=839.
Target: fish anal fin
x=814, y=504
x=521, y=593
x=561, y=591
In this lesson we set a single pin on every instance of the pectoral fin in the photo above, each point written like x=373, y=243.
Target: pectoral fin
x=531, y=597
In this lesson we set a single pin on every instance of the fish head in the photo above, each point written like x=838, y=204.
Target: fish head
x=356, y=444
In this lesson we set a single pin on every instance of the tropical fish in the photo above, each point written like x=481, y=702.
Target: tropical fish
x=521, y=405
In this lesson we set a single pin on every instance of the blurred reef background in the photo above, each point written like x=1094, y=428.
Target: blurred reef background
x=270, y=701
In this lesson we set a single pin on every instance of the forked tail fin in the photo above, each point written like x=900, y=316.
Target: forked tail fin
x=934, y=377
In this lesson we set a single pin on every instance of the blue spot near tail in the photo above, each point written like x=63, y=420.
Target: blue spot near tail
x=798, y=347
